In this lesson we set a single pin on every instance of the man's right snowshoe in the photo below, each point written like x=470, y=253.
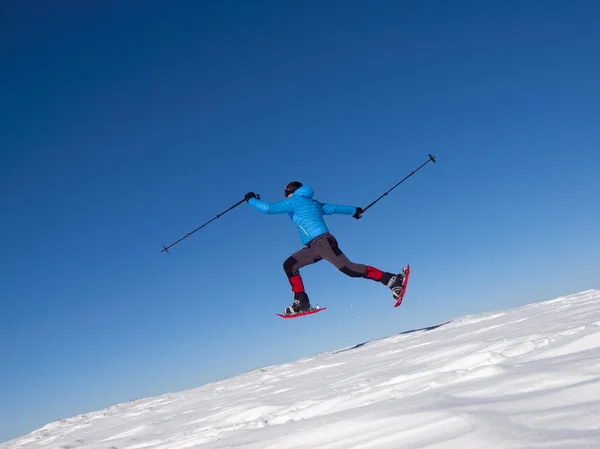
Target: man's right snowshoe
x=398, y=285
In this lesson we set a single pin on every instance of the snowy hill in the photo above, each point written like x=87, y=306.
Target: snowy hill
x=522, y=378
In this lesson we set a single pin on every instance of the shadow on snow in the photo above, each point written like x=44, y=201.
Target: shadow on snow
x=423, y=329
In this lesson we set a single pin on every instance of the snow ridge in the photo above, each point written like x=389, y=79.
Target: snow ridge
x=528, y=377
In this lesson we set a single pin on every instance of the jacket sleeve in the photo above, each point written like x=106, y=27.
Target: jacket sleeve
x=279, y=207
x=330, y=209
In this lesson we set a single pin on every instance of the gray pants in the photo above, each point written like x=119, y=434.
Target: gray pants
x=326, y=247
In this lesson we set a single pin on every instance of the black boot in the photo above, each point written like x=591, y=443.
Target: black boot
x=396, y=283
x=301, y=304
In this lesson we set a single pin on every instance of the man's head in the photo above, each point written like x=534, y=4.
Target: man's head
x=291, y=188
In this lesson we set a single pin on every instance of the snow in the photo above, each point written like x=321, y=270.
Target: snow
x=522, y=378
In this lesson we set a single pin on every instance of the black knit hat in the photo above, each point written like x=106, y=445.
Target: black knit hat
x=292, y=187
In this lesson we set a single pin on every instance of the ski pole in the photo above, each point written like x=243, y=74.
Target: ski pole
x=431, y=159
x=166, y=248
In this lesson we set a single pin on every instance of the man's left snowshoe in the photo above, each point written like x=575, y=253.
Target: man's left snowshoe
x=289, y=312
x=301, y=304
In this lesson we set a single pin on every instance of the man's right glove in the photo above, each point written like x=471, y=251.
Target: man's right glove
x=358, y=213
x=250, y=195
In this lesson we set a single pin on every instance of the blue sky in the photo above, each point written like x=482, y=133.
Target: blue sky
x=125, y=126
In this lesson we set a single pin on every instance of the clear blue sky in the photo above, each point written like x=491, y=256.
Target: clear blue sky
x=125, y=125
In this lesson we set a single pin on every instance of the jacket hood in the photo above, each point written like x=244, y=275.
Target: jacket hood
x=305, y=191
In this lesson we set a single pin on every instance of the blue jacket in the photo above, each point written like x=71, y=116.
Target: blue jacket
x=305, y=212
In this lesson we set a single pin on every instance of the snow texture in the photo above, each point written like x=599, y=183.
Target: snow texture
x=523, y=378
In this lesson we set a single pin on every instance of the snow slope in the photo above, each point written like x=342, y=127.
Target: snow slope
x=522, y=378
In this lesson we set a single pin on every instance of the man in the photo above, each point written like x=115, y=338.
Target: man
x=307, y=214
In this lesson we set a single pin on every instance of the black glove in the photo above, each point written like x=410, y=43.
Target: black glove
x=251, y=195
x=358, y=213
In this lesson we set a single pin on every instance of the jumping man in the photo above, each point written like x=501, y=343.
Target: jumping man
x=307, y=214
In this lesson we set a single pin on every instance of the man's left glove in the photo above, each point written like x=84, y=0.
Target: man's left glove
x=358, y=213
x=251, y=195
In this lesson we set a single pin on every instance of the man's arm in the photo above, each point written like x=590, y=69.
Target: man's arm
x=279, y=207
x=330, y=209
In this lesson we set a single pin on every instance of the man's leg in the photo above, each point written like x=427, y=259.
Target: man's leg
x=291, y=266
x=328, y=249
